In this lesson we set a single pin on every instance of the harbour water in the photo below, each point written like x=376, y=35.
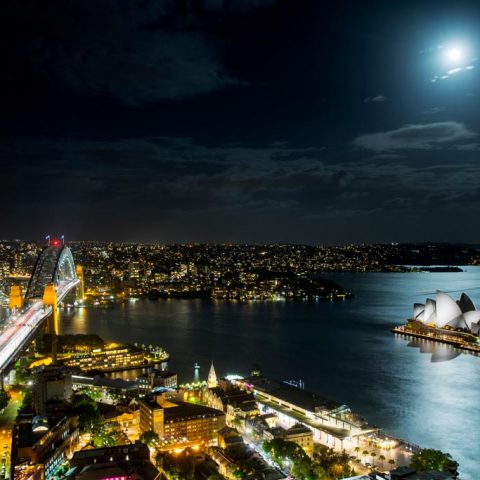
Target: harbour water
x=343, y=350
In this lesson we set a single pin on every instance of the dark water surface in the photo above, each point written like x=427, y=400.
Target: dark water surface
x=343, y=350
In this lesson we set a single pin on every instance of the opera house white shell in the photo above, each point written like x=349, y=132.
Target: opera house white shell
x=445, y=311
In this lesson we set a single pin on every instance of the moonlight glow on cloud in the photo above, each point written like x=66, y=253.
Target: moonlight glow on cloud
x=454, y=59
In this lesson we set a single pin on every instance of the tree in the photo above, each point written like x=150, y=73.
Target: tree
x=149, y=438
x=334, y=463
x=281, y=449
x=89, y=417
x=373, y=455
x=304, y=469
x=319, y=471
x=103, y=438
x=216, y=476
x=336, y=470
x=3, y=399
x=237, y=422
x=365, y=453
x=392, y=462
x=180, y=467
x=429, y=459
x=302, y=466
x=382, y=459
x=357, y=449
x=27, y=403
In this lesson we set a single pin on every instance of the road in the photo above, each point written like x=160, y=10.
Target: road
x=7, y=419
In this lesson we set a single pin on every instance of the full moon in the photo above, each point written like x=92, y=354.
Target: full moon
x=454, y=54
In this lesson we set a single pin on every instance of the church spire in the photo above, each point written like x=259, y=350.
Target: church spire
x=212, y=377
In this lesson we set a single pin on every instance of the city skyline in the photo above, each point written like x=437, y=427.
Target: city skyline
x=246, y=122
x=217, y=216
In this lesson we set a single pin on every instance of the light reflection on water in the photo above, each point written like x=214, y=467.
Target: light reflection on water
x=343, y=350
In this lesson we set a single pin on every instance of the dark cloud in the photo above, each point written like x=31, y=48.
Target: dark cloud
x=242, y=123
x=135, y=52
x=236, y=6
x=469, y=147
x=434, y=110
x=376, y=99
x=417, y=137
x=180, y=181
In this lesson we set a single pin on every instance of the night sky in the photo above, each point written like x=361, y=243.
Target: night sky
x=240, y=120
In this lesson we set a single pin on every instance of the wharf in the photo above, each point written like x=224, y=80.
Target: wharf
x=122, y=368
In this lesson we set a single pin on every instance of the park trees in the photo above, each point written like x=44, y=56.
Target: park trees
x=429, y=459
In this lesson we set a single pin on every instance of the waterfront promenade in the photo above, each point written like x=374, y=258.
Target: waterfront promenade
x=332, y=424
x=439, y=336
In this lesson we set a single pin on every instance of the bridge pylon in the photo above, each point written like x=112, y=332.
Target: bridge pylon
x=81, y=285
x=50, y=299
x=16, y=297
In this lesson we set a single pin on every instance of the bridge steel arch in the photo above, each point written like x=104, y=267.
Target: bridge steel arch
x=55, y=265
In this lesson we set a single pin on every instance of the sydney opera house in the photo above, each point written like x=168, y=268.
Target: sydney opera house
x=445, y=312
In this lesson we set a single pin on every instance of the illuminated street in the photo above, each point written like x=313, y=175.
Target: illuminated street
x=7, y=420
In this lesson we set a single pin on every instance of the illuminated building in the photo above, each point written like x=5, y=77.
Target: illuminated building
x=212, y=377
x=229, y=436
x=331, y=422
x=445, y=312
x=106, y=359
x=228, y=466
x=103, y=384
x=34, y=443
x=158, y=378
x=123, y=462
x=298, y=434
x=235, y=402
x=103, y=471
x=178, y=421
x=151, y=416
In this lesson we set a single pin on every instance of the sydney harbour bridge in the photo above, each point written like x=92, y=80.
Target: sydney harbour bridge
x=54, y=276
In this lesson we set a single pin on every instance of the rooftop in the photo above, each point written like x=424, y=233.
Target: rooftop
x=185, y=409
x=96, y=452
x=177, y=409
x=288, y=393
x=298, y=428
x=99, y=381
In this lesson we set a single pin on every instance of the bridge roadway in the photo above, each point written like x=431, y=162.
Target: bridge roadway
x=21, y=327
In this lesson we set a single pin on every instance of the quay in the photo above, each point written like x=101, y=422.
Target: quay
x=439, y=338
x=332, y=424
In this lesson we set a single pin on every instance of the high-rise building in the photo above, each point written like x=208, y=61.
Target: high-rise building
x=52, y=384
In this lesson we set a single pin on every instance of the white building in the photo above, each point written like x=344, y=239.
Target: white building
x=446, y=312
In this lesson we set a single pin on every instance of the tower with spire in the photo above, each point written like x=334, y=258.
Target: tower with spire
x=212, y=377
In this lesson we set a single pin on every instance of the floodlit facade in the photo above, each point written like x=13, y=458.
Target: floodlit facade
x=445, y=312
x=105, y=359
x=179, y=422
